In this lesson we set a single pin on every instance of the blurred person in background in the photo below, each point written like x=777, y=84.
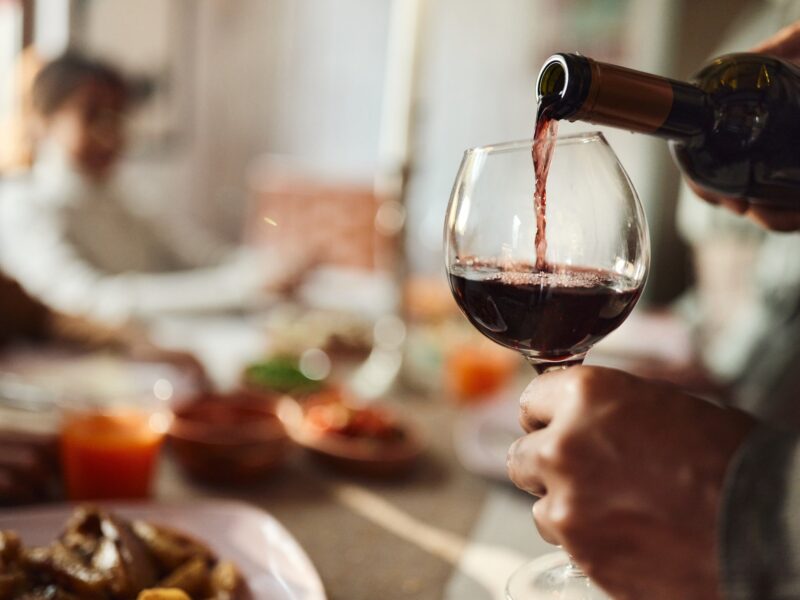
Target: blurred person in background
x=660, y=495
x=744, y=308
x=74, y=237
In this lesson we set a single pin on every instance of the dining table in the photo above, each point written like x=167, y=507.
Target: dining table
x=439, y=532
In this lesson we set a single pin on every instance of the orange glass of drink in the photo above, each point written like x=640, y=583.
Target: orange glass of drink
x=474, y=371
x=111, y=452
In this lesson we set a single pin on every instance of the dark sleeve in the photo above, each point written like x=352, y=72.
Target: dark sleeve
x=21, y=315
x=760, y=519
x=767, y=388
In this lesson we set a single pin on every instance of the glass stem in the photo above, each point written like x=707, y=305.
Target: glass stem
x=574, y=570
x=543, y=366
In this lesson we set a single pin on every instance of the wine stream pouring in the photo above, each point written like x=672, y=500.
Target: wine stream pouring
x=734, y=128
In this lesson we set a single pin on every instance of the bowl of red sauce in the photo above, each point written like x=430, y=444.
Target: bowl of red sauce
x=234, y=438
x=340, y=431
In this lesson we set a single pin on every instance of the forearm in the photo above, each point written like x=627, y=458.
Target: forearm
x=760, y=519
x=195, y=290
x=115, y=299
x=47, y=263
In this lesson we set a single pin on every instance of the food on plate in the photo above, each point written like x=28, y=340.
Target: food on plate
x=104, y=557
x=329, y=413
x=293, y=329
x=367, y=440
x=163, y=594
x=231, y=438
x=279, y=374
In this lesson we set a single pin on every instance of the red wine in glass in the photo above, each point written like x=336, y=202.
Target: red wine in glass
x=549, y=306
x=553, y=316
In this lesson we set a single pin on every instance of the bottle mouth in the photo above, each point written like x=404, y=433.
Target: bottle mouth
x=553, y=77
x=564, y=83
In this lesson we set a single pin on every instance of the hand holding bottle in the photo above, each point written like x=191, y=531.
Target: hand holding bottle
x=784, y=44
x=733, y=128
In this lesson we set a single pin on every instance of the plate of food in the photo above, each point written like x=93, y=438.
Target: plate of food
x=151, y=551
x=370, y=440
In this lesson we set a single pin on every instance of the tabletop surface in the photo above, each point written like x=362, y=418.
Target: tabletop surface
x=439, y=532
x=370, y=539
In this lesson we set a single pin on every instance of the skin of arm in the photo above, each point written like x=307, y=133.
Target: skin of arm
x=26, y=317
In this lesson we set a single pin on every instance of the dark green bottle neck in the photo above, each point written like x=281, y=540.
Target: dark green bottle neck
x=577, y=88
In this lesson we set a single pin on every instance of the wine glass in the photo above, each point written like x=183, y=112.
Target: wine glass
x=585, y=285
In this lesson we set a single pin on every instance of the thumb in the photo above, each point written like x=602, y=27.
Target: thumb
x=784, y=44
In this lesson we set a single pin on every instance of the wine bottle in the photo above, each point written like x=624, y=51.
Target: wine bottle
x=734, y=129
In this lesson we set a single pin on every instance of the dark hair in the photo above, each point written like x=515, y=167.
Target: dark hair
x=59, y=79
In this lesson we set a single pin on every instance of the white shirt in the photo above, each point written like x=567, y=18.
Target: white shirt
x=81, y=248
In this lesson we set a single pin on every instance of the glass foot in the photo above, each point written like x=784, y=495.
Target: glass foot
x=552, y=577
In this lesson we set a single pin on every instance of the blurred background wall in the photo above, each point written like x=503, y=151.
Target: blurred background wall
x=232, y=82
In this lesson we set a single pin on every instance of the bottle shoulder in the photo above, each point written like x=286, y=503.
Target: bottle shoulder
x=754, y=100
x=747, y=72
